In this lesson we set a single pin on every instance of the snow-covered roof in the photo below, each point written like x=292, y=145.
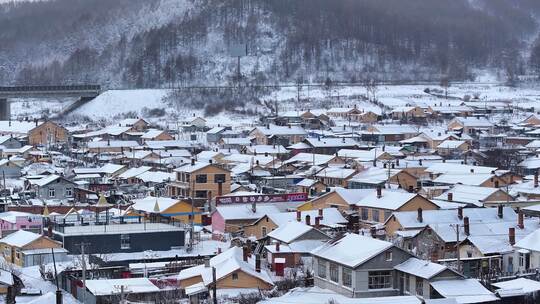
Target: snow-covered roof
x=11, y=216
x=316, y=295
x=390, y=199
x=519, y=286
x=311, y=158
x=330, y=142
x=112, y=286
x=464, y=291
x=361, y=155
x=335, y=172
x=271, y=129
x=225, y=263
x=152, y=133
x=245, y=212
x=472, y=179
x=134, y=172
x=440, y=168
x=330, y=217
x=148, y=203
x=474, y=122
x=420, y=268
x=290, y=231
x=451, y=144
x=112, y=144
x=469, y=194
x=530, y=242
x=352, y=249
x=20, y=238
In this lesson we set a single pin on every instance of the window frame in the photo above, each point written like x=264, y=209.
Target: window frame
x=201, y=178
x=334, y=272
x=321, y=269
x=219, y=180
x=380, y=279
x=69, y=191
x=125, y=241
x=419, y=286
x=234, y=276
x=53, y=191
x=346, y=276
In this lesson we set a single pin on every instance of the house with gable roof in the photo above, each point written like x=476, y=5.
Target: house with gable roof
x=358, y=266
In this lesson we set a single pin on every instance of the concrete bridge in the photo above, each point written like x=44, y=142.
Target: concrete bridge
x=85, y=93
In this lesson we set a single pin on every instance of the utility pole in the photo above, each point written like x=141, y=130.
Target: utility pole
x=456, y=227
x=58, y=291
x=214, y=285
x=83, y=256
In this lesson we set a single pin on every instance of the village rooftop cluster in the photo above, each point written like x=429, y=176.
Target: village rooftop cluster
x=421, y=203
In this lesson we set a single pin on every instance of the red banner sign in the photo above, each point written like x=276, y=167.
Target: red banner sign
x=262, y=198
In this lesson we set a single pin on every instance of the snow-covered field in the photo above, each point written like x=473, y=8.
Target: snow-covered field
x=114, y=104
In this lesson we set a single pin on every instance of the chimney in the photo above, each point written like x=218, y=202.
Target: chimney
x=536, y=179
x=254, y=207
x=108, y=142
x=420, y=162
x=512, y=235
x=420, y=216
x=219, y=250
x=466, y=226
x=317, y=222
x=209, y=161
x=450, y=197
x=298, y=215
x=500, y=211
x=277, y=246
x=397, y=162
x=520, y=220
x=343, y=140
x=245, y=253
x=379, y=192
x=321, y=213
x=257, y=263
x=308, y=220
x=50, y=229
x=207, y=262
x=373, y=232
x=193, y=161
x=460, y=213
x=411, y=189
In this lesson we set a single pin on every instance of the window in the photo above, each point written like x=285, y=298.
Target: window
x=407, y=283
x=521, y=260
x=219, y=178
x=201, y=178
x=419, y=286
x=263, y=231
x=321, y=269
x=379, y=279
x=18, y=254
x=365, y=214
x=200, y=194
x=7, y=252
x=334, y=272
x=388, y=256
x=125, y=242
x=235, y=276
x=52, y=193
x=375, y=215
x=346, y=276
x=69, y=192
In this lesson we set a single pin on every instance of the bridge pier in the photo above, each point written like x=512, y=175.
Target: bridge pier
x=5, y=109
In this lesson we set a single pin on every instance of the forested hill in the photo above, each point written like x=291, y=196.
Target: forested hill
x=159, y=43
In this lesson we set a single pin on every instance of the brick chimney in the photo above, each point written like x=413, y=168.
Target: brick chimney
x=193, y=161
x=277, y=246
x=420, y=216
x=450, y=196
x=500, y=211
x=298, y=215
x=317, y=222
x=257, y=263
x=466, y=225
x=308, y=220
x=245, y=253
x=460, y=213
x=512, y=235
x=379, y=192
x=520, y=220
x=321, y=213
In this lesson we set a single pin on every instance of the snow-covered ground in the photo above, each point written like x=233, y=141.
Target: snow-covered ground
x=31, y=278
x=113, y=104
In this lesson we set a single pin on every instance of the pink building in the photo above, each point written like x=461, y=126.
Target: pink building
x=15, y=220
